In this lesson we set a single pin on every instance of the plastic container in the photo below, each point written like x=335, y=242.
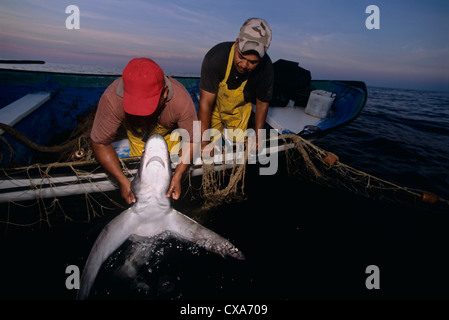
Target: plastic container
x=320, y=102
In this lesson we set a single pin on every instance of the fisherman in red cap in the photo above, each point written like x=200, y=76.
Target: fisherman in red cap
x=143, y=102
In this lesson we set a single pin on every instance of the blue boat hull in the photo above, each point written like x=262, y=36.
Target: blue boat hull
x=75, y=96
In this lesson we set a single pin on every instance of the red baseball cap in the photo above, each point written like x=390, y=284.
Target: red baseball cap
x=143, y=81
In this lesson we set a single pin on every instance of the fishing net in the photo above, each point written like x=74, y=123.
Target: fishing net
x=223, y=186
x=76, y=148
x=220, y=184
x=308, y=162
x=47, y=208
x=324, y=168
x=75, y=158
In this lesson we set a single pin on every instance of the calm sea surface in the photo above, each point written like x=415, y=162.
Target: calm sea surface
x=300, y=240
x=401, y=135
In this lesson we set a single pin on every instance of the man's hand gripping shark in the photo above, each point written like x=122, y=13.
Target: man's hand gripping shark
x=150, y=216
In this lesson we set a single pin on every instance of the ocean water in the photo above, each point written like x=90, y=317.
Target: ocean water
x=401, y=136
x=300, y=240
x=84, y=69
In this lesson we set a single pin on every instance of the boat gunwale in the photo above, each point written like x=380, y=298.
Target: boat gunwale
x=115, y=75
x=26, y=170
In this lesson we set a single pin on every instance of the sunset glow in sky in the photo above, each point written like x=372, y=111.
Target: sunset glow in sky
x=327, y=37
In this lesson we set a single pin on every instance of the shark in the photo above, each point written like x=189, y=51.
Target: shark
x=152, y=215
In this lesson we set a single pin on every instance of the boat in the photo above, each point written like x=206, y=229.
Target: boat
x=48, y=107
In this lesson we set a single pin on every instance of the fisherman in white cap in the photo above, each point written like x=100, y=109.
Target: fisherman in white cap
x=233, y=76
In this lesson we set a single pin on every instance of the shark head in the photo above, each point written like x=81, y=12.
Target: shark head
x=154, y=174
x=151, y=216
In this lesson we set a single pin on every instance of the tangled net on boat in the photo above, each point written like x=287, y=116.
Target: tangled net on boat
x=219, y=187
x=43, y=210
x=303, y=159
x=324, y=168
x=76, y=148
x=308, y=162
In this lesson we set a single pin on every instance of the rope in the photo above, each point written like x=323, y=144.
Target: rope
x=54, y=149
x=227, y=185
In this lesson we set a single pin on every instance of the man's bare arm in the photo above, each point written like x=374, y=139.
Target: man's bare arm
x=108, y=158
x=207, y=100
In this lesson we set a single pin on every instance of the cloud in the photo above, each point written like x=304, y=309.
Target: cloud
x=181, y=32
x=34, y=38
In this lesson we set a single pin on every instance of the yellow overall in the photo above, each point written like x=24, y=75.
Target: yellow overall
x=230, y=109
x=136, y=144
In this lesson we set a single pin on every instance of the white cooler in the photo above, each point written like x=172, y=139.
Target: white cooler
x=320, y=102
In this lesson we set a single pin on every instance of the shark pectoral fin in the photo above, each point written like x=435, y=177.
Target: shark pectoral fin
x=109, y=239
x=200, y=235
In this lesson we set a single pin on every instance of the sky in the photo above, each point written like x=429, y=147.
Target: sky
x=328, y=37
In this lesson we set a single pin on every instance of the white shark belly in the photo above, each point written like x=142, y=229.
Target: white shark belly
x=129, y=223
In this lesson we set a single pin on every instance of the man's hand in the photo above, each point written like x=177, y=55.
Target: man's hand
x=127, y=194
x=174, y=190
x=107, y=157
x=208, y=149
x=253, y=143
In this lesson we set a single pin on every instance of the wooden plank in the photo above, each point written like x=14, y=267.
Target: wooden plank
x=19, y=109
